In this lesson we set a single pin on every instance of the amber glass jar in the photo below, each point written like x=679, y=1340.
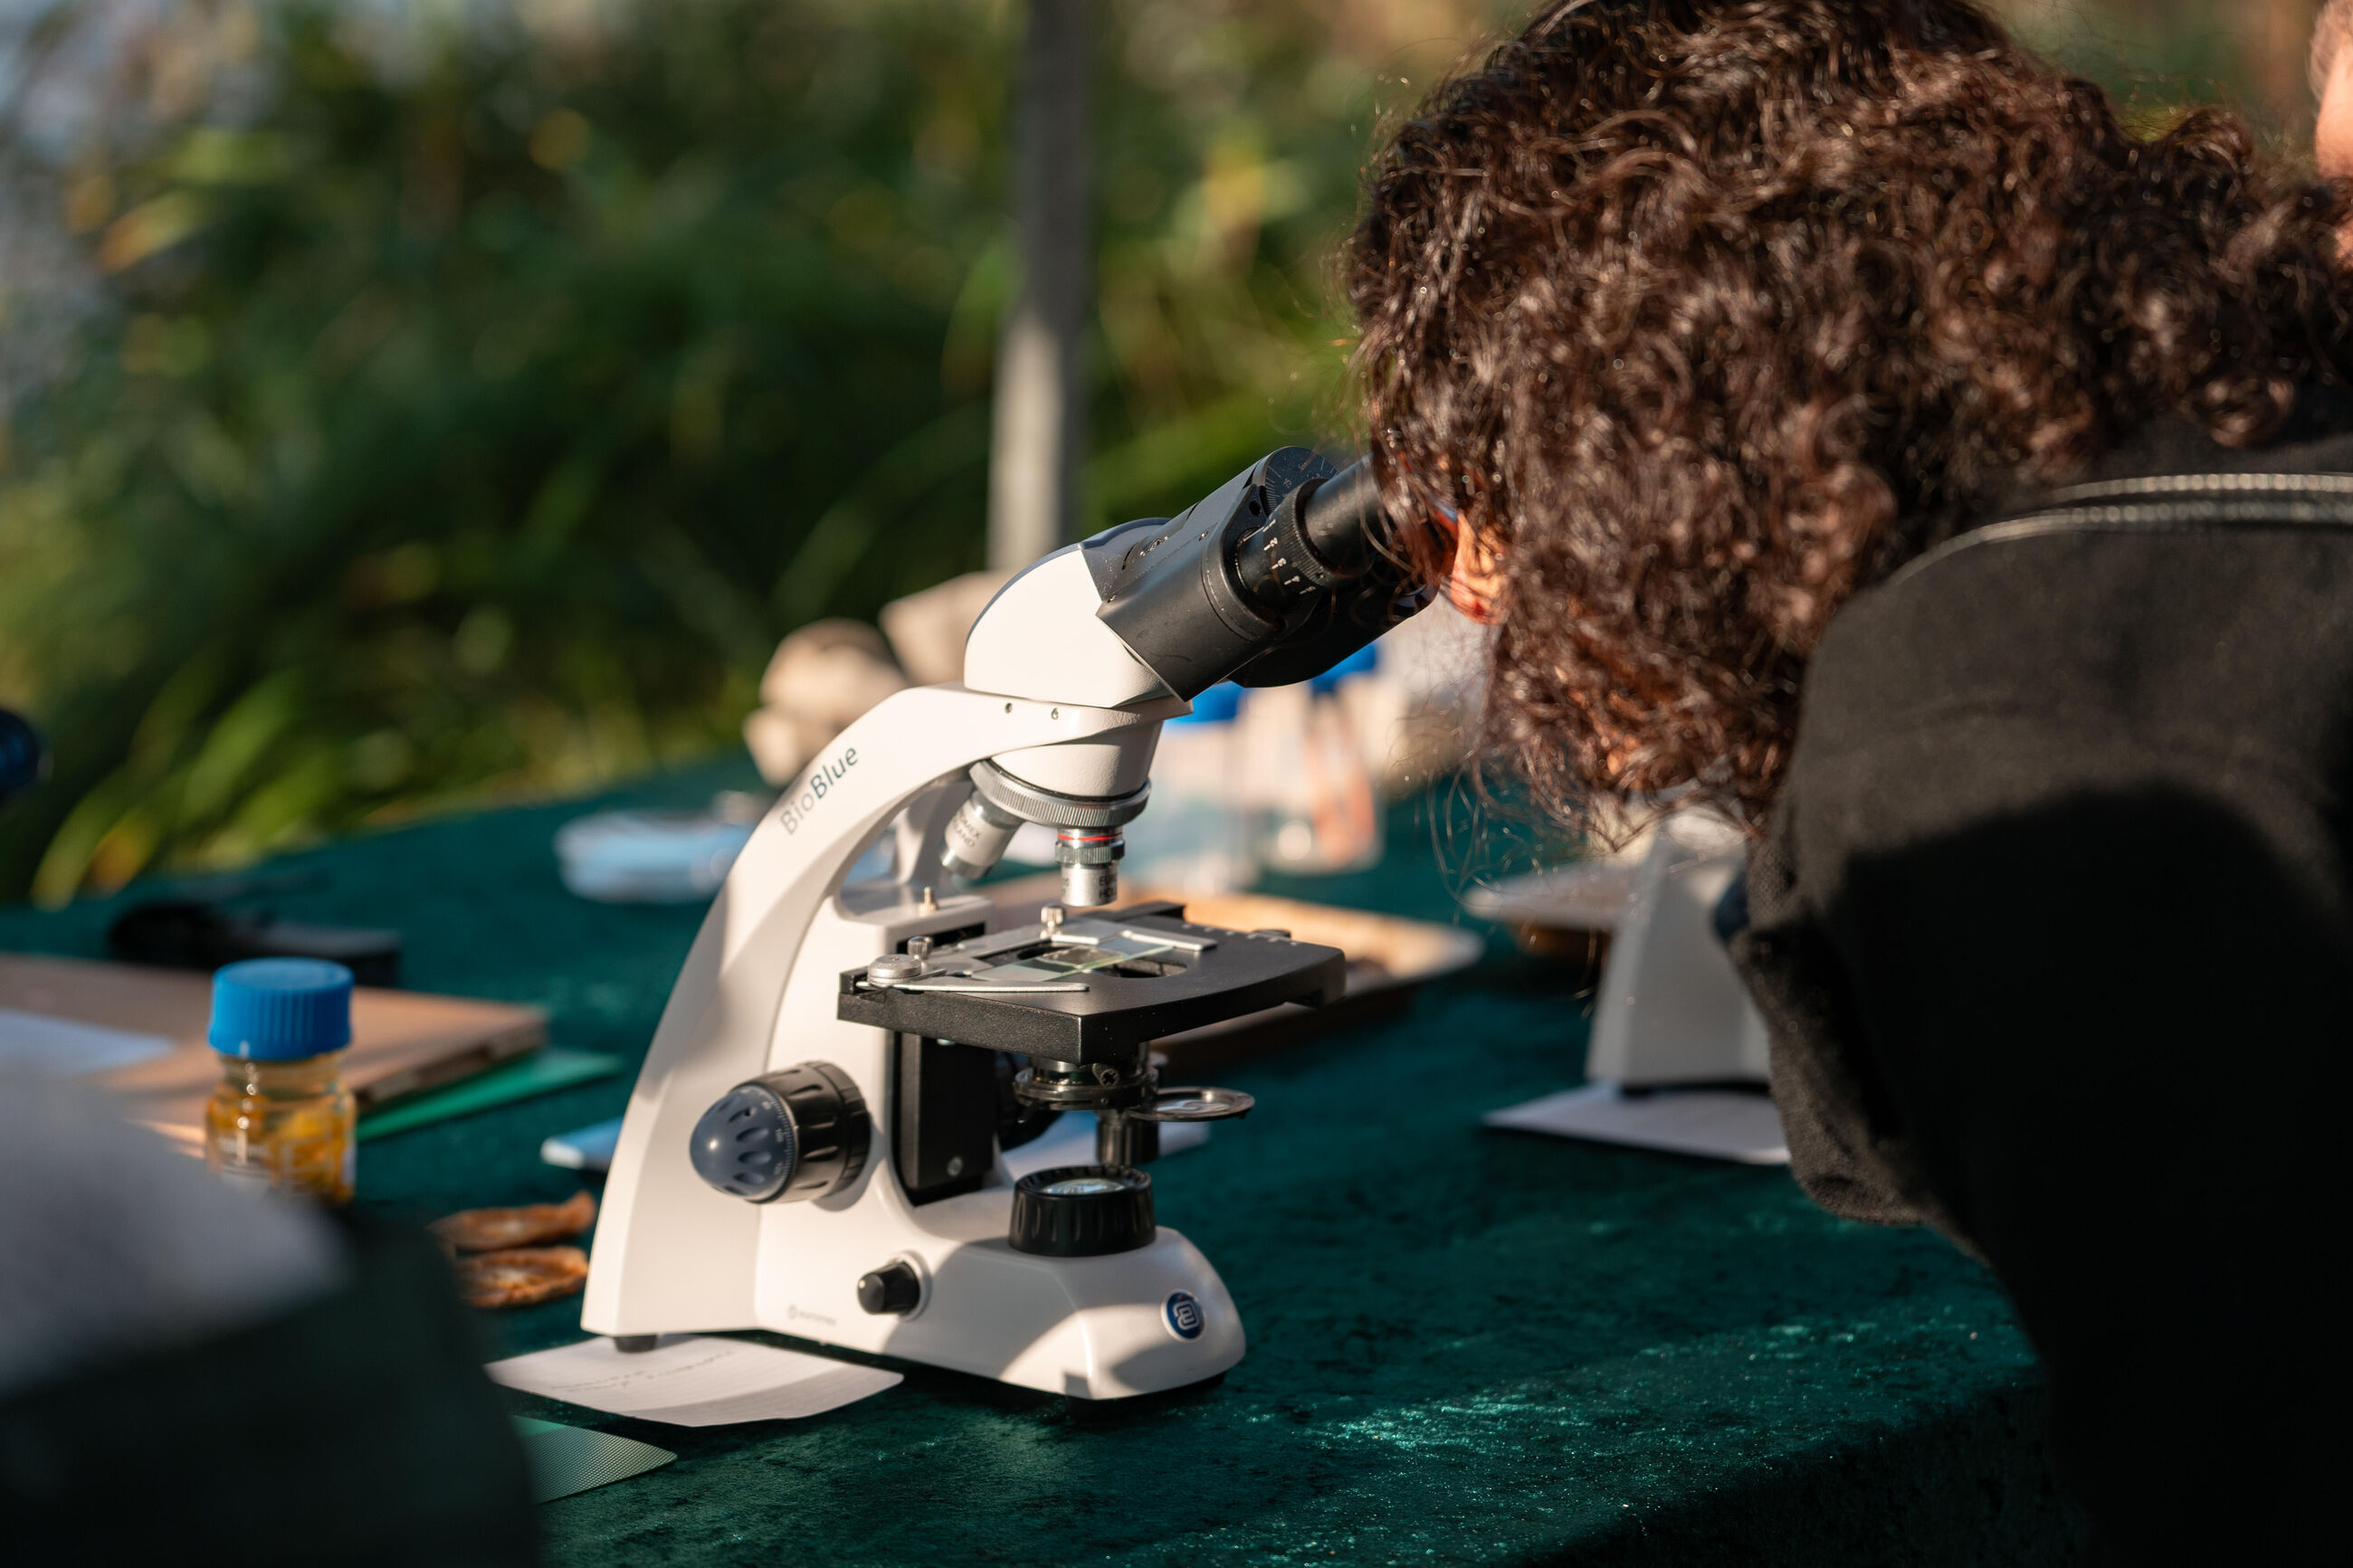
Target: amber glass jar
x=280, y=1116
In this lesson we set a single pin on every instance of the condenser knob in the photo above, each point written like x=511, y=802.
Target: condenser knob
x=1082, y=1211
x=790, y=1135
x=892, y=1291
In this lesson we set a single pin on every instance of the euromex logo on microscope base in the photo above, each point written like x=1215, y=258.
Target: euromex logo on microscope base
x=1184, y=1316
x=815, y=785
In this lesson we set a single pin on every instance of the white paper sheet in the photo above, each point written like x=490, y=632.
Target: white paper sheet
x=36, y=1042
x=1716, y=1123
x=692, y=1379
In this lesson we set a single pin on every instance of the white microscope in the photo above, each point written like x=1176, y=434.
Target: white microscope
x=813, y=1146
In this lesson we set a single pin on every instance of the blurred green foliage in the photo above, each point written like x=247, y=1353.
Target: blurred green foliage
x=450, y=402
x=2157, y=57
x=462, y=408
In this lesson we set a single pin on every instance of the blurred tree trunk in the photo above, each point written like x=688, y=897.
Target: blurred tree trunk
x=1041, y=413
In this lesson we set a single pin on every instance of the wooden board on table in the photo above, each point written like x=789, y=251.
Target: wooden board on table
x=401, y=1041
x=1388, y=958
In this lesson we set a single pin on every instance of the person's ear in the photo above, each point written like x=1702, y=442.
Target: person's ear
x=1476, y=585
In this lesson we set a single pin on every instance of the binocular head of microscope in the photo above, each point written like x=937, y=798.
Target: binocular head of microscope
x=1274, y=578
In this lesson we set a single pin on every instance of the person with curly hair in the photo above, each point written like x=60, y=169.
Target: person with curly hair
x=1845, y=420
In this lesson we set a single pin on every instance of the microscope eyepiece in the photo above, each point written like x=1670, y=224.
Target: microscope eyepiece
x=1320, y=536
x=1341, y=520
x=1276, y=577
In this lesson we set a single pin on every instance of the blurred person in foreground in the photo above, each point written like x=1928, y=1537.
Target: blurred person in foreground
x=193, y=1373
x=1711, y=335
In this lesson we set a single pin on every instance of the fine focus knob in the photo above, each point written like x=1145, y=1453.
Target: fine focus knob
x=1082, y=1211
x=799, y=1133
x=892, y=1291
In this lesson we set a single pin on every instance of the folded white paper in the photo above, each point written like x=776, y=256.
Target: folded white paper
x=692, y=1379
x=1716, y=1123
x=39, y=1042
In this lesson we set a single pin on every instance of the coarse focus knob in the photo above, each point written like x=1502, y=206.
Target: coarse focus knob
x=790, y=1135
x=892, y=1291
x=1082, y=1211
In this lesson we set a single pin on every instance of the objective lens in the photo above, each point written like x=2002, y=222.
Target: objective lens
x=1090, y=861
x=976, y=837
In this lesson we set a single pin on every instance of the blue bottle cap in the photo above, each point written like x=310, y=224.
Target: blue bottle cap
x=1218, y=705
x=279, y=1009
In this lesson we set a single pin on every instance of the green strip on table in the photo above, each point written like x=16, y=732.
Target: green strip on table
x=550, y=1067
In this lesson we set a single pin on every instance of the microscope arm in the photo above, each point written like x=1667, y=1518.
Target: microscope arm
x=757, y=992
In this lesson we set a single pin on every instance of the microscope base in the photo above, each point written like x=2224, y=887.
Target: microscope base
x=1092, y=1328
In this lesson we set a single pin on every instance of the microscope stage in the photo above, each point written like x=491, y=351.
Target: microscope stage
x=1097, y=988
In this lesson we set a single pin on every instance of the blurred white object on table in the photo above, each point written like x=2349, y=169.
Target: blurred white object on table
x=1308, y=772
x=1194, y=839
x=927, y=629
x=648, y=856
x=1318, y=758
x=822, y=679
x=1415, y=712
x=826, y=676
x=584, y=1148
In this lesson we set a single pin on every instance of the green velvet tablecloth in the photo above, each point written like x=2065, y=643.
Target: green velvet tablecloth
x=1465, y=1345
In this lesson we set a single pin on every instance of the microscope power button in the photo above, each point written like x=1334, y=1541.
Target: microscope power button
x=892, y=1291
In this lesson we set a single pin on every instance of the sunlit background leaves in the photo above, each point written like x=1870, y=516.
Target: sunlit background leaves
x=418, y=405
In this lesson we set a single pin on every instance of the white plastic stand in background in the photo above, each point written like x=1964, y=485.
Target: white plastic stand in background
x=1673, y=1009
x=1676, y=1042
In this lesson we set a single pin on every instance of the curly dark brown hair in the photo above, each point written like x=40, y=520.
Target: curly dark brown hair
x=1707, y=312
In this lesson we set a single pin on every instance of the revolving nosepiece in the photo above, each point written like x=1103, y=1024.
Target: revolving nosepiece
x=1088, y=845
